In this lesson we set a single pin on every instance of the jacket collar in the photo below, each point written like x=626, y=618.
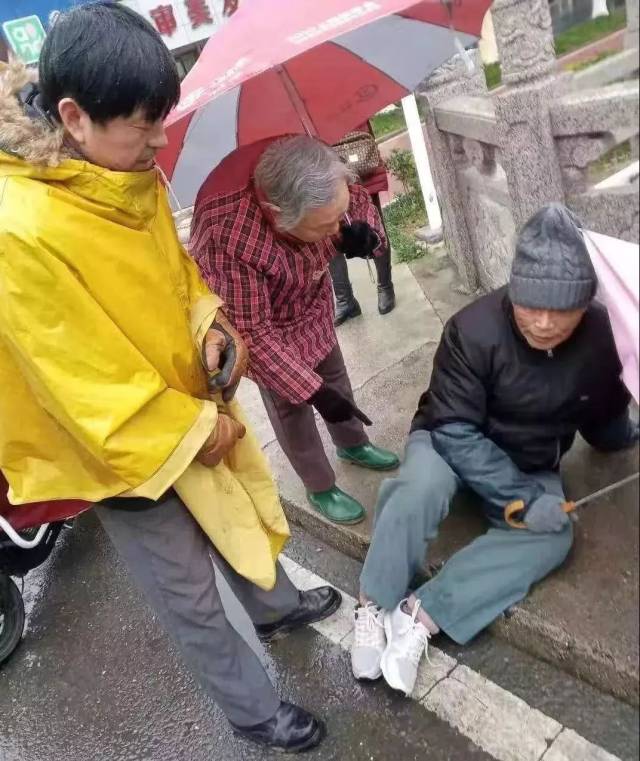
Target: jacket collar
x=33, y=145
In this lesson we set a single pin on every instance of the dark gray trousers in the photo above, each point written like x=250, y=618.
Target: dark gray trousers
x=172, y=562
x=297, y=433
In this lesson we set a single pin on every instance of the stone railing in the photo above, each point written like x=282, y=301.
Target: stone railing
x=496, y=158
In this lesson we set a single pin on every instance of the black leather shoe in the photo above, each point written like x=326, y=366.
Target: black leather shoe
x=315, y=604
x=346, y=310
x=386, y=299
x=291, y=730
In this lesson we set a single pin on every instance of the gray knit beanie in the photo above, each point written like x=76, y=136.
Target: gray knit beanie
x=552, y=268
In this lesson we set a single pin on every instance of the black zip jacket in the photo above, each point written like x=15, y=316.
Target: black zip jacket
x=530, y=403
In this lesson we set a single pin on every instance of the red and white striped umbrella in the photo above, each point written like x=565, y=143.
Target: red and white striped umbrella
x=319, y=67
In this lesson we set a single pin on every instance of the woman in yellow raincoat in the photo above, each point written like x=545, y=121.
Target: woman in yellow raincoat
x=105, y=331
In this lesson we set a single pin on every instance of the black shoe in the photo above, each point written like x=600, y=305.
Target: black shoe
x=315, y=604
x=386, y=299
x=291, y=730
x=346, y=310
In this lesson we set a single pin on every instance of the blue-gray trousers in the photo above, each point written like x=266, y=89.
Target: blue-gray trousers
x=480, y=581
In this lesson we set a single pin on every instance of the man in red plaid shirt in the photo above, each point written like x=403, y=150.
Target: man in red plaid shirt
x=266, y=250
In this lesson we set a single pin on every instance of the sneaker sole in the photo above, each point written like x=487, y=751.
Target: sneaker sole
x=287, y=629
x=385, y=671
x=316, y=738
x=368, y=678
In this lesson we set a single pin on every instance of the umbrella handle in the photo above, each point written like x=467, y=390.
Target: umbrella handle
x=511, y=511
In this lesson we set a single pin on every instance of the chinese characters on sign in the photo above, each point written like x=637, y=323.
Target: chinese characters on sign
x=164, y=19
x=199, y=13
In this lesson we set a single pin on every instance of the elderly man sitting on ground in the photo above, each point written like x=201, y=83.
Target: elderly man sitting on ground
x=266, y=249
x=517, y=374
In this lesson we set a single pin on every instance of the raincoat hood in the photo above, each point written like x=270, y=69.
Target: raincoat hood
x=32, y=145
x=103, y=392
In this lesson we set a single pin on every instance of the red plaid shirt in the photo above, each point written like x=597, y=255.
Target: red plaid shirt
x=277, y=292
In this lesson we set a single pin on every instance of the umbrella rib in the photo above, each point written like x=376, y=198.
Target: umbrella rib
x=296, y=100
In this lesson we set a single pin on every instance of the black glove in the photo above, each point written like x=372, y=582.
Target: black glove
x=334, y=407
x=358, y=239
x=233, y=360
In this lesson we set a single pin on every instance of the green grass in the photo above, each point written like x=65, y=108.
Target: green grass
x=590, y=31
x=493, y=74
x=387, y=123
x=579, y=65
x=617, y=158
x=402, y=218
x=572, y=39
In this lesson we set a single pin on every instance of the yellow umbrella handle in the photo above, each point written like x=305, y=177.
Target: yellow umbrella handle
x=513, y=508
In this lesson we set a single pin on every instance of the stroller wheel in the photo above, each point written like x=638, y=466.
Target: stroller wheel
x=11, y=617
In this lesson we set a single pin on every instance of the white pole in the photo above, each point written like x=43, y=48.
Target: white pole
x=599, y=8
x=419, y=148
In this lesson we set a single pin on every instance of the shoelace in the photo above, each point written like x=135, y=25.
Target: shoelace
x=419, y=642
x=368, y=624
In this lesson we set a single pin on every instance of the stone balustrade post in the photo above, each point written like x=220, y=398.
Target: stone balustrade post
x=524, y=37
x=451, y=79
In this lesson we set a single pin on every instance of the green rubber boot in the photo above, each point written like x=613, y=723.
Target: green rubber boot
x=368, y=456
x=337, y=506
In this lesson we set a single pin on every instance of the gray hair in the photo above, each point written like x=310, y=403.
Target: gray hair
x=299, y=174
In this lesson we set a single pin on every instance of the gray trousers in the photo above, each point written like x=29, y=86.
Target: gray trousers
x=297, y=433
x=477, y=583
x=171, y=561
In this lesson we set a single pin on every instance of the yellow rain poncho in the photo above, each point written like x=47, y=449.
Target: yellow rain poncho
x=102, y=316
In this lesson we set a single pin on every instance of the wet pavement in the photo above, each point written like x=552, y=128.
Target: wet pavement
x=95, y=678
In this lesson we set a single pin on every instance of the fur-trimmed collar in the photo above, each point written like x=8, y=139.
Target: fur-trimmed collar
x=28, y=137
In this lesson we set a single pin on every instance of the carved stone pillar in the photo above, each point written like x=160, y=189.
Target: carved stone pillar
x=451, y=79
x=525, y=42
x=631, y=39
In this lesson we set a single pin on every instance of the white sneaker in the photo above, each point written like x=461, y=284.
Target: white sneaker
x=369, y=642
x=407, y=640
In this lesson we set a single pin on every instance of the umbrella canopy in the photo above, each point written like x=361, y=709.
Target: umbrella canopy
x=303, y=66
x=617, y=265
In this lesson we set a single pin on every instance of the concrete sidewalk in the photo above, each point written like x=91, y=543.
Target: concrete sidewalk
x=585, y=617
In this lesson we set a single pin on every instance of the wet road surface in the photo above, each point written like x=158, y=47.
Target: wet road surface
x=95, y=678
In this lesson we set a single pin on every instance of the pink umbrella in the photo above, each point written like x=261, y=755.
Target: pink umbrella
x=616, y=263
x=319, y=67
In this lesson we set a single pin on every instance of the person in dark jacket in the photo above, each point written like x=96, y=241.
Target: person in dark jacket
x=516, y=375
